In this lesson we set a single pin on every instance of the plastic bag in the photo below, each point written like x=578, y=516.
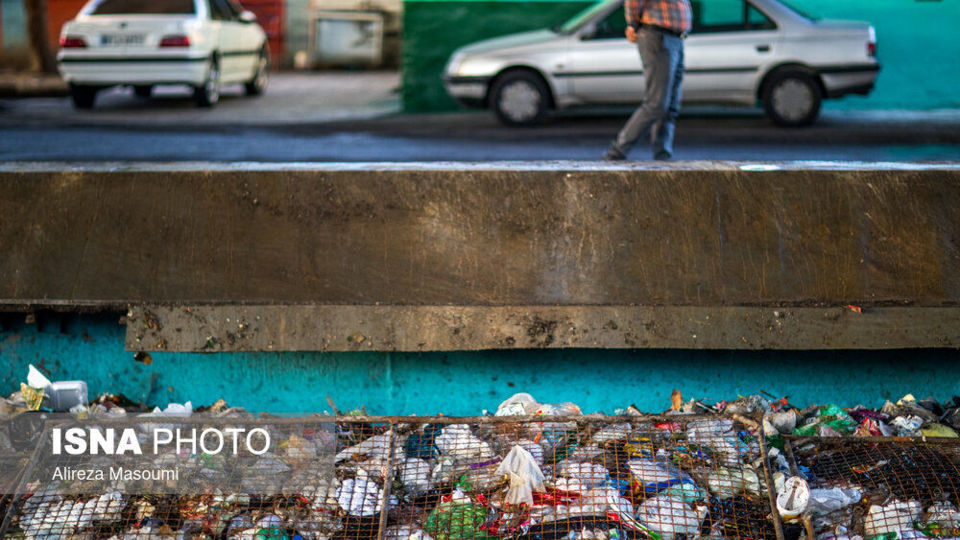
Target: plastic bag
x=456, y=440
x=415, y=475
x=907, y=426
x=895, y=517
x=523, y=404
x=457, y=520
x=589, y=474
x=361, y=497
x=670, y=517
x=405, y=532
x=724, y=483
x=824, y=501
x=655, y=475
x=829, y=416
x=938, y=430
x=524, y=475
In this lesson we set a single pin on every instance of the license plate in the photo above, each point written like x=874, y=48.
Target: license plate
x=120, y=40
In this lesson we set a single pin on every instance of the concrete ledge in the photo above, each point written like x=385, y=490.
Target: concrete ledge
x=461, y=328
x=354, y=240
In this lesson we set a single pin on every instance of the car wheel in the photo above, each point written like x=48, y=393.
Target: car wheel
x=258, y=83
x=792, y=98
x=519, y=98
x=142, y=91
x=208, y=93
x=83, y=96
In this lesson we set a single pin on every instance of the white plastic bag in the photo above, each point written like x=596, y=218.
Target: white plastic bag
x=524, y=475
x=895, y=517
x=670, y=517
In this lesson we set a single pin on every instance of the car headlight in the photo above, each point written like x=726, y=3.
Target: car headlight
x=453, y=66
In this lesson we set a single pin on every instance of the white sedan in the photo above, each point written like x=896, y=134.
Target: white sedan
x=145, y=43
x=741, y=52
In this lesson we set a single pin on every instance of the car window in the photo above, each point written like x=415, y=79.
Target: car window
x=613, y=26
x=234, y=8
x=220, y=10
x=145, y=7
x=710, y=16
x=757, y=20
x=580, y=19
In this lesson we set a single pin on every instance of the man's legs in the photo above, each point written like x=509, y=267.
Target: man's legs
x=660, y=54
x=664, y=128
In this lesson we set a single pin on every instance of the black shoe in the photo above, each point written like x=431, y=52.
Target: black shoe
x=614, y=155
x=663, y=156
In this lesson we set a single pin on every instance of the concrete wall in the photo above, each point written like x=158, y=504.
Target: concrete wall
x=90, y=347
x=917, y=45
x=419, y=257
x=691, y=235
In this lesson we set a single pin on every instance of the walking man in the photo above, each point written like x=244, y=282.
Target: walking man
x=658, y=28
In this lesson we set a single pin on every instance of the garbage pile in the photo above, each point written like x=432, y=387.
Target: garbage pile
x=532, y=471
x=870, y=489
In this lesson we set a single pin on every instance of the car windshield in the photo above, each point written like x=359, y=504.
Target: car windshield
x=799, y=12
x=143, y=7
x=583, y=17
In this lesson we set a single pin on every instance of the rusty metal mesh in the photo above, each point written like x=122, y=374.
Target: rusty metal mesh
x=885, y=486
x=446, y=479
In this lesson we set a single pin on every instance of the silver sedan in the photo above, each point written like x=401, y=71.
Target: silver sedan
x=740, y=52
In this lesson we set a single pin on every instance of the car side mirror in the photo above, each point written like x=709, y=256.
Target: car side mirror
x=247, y=17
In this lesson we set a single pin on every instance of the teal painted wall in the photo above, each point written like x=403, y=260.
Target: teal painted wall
x=462, y=383
x=917, y=40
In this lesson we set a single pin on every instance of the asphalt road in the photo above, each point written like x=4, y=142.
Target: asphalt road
x=168, y=128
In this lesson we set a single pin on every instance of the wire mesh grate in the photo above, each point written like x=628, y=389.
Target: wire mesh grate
x=433, y=478
x=573, y=478
x=880, y=487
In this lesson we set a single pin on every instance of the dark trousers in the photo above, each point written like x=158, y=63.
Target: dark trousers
x=662, y=56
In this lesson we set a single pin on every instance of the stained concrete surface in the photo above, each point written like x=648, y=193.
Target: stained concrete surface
x=504, y=237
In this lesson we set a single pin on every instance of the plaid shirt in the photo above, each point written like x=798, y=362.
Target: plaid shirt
x=673, y=14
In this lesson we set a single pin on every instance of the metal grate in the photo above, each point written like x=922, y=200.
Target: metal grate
x=441, y=478
x=880, y=487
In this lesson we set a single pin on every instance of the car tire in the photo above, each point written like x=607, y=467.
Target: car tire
x=258, y=83
x=83, y=96
x=208, y=94
x=142, y=91
x=792, y=98
x=519, y=98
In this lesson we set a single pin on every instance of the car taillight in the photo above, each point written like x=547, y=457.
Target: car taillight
x=72, y=42
x=175, y=41
x=871, y=49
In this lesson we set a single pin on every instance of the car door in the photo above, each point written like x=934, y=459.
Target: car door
x=250, y=40
x=603, y=67
x=229, y=39
x=731, y=40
